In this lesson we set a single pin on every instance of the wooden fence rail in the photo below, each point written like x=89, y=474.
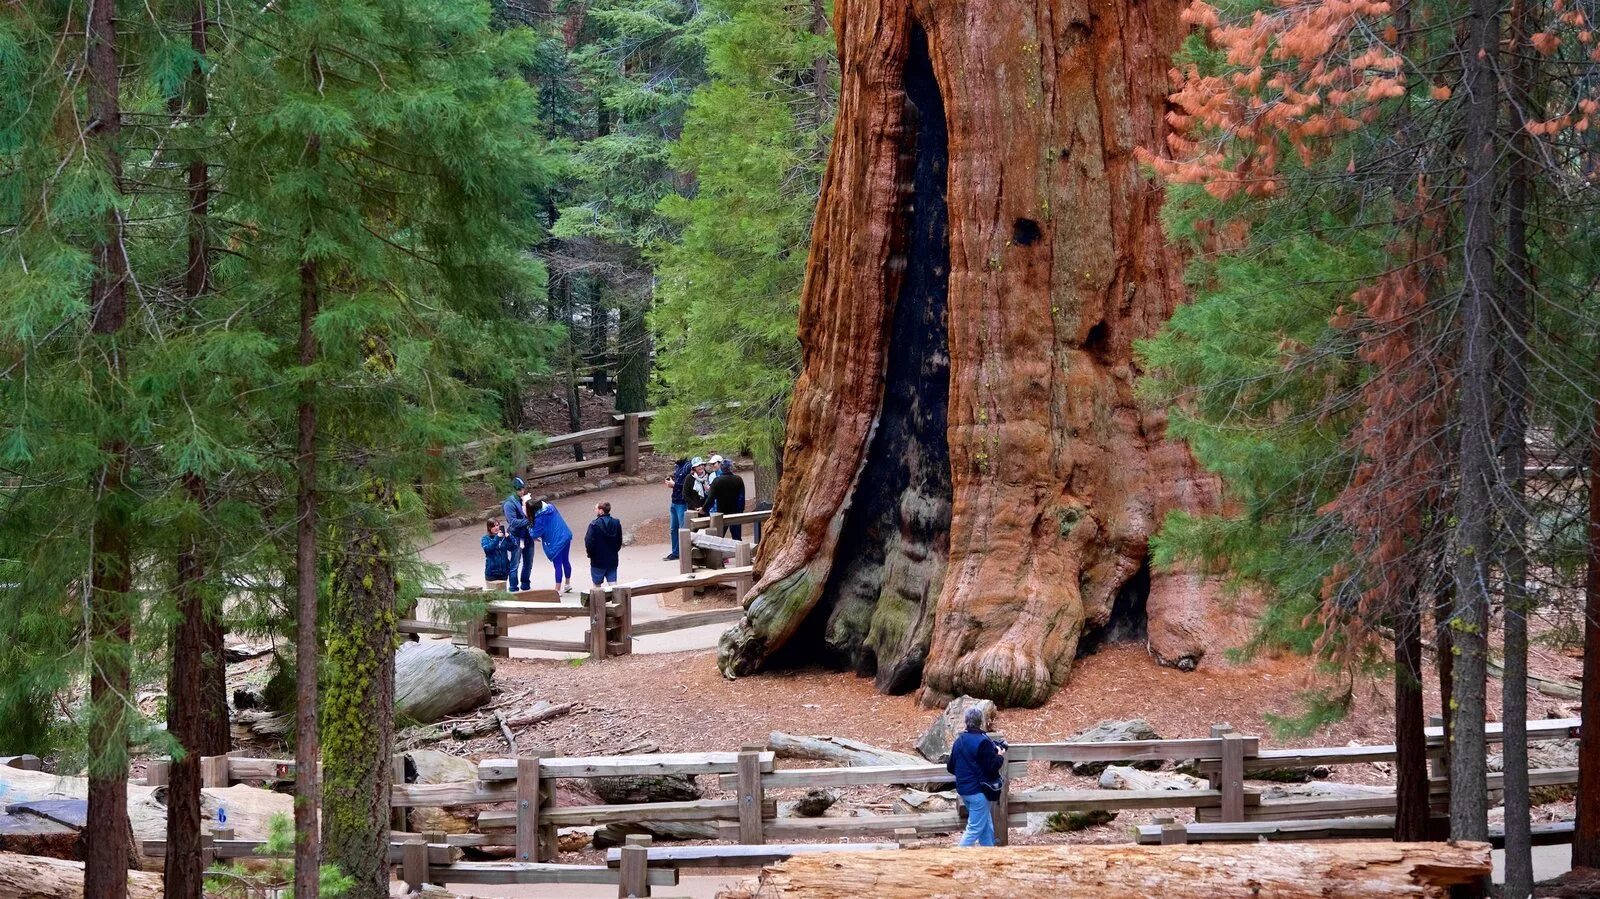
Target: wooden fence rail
x=608, y=608
x=624, y=441
x=1227, y=809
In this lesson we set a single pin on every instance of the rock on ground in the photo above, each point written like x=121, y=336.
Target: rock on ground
x=815, y=803
x=436, y=678
x=936, y=741
x=1113, y=731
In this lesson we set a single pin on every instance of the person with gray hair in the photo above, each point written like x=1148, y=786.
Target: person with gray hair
x=976, y=759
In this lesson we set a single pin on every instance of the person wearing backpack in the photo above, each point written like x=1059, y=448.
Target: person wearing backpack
x=976, y=759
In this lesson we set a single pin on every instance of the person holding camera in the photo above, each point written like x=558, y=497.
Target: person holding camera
x=976, y=759
x=498, y=545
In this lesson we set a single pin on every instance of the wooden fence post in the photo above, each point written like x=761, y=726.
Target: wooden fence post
x=397, y=814
x=752, y=795
x=743, y=557
x=686, y=559
x=635, y=867
x=498, y=622
x=477, y=635
x=624, y=618
x=157, y=773
x=1000, y=810
x=597, y=623
x=630, y=443
x=547, y=843
x=527, y=809
x=414, y=864
x=214, y=771
x=1232, y=775
x=716, y=528
x=208, y=851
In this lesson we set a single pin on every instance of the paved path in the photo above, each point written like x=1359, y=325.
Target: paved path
x=459, y=553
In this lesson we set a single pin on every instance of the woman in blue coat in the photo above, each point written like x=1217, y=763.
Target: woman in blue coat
x=552, y=532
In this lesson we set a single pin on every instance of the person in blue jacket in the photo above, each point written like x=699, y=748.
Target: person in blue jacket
x=975, y=760
x=497, y=549
x=550, y=529
x=517, y=524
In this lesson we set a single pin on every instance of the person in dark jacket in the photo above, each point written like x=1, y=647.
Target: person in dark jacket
x=517, y=525
x=976, y=759
x=603, y=543
x=682, y=472
x=727, y=495
x=497, y=549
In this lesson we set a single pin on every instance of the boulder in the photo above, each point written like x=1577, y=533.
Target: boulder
x=430, y=766
x=936, y=741
x=912, y=801
x=1038, y=822
x=815, y=803
x=437, y=678
x=1113, y=731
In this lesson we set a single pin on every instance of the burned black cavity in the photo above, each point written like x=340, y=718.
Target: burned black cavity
x=909, y=450
x=1127, y=623
x=1024, y=232
x=1098, y=341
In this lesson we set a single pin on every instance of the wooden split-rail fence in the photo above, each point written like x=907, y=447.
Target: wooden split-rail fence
x=745, y=813
x=624, y=442
x=608, y=608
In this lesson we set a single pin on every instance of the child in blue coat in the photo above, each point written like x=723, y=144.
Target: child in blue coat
x=552, y=532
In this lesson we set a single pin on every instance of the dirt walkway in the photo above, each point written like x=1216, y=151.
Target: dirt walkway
x=643, y=511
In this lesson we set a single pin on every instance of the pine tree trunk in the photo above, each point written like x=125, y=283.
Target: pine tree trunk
x=1474, y=542
x=970, y=481
x=1411, y=744
x=107, y=838
x=1586, y=838
x=633, y=356
x=307, y=755
x=1513, y=458
x=599, y=339
x=197, y=679
x=187, y=717
x=358, y=719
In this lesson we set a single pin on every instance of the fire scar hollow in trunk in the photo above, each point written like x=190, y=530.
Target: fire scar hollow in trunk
x=969, y=486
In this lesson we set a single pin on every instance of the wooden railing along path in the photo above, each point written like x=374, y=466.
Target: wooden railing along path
x=608, y=608
x=748, y=817
x=624, y=442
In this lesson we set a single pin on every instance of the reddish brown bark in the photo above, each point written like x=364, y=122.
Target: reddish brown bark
x=107, y=840
x=1586, y=838
x=1056, y=264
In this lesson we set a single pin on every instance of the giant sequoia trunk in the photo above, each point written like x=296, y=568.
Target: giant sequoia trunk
x=968, y=482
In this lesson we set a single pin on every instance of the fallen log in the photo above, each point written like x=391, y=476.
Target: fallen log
x=534, y=714
x=1124, y=777
x=838, y=750
x=1354, y=870
x=34, y=877
x=249, y=809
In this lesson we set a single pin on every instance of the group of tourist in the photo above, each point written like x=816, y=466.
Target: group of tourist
x=704, y=485
x=508, y=543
